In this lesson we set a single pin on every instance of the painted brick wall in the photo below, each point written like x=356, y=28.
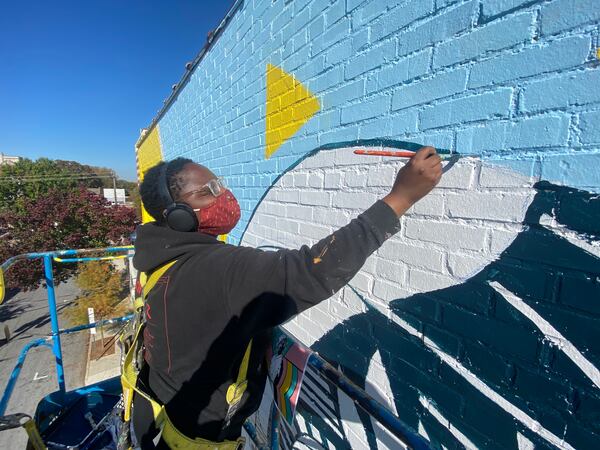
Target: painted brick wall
x=479, y=323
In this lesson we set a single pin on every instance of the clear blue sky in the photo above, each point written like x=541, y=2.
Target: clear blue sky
x=78, y=79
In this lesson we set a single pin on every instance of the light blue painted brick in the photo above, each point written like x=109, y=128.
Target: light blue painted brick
x=316, y=28
x=301, y=145
x=495, y=36
x=483, y=138
x=372, y=58
x=352, y=4
x=544, y=131
x=561, y=15
x=266, y=165
x=284, y=18
x=343, y=94
x=424, y=91
x=589, y=124
x=310, y=68
x=440, y=4
x=440, y=27
x=371, y=11
x=317, y=8
x=335, y=12
x=288, y=49
x=327, y=80
x=374, y=128
x=260, y=8
x=340, y=134
x=469, y=109
x=576, y=170
x=440, y=139
x=406, y=69
x=328, y=120
x=298, y=59
x=556, y=55
x=338, y=53
x=300, y=5
x=300, y=39
x=333, y=34
x=360, y=39
x=400, y=17
x=404, y=122
x=297, y=23
x=577, y=88
x=365, y=110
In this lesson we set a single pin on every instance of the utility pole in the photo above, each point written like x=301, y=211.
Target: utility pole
x=114, y=177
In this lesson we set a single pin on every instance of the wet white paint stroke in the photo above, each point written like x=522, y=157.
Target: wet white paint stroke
x=422, y=431
x=377, y=388
x=524, y=443
x=464, y=440
x=351, y=423
x=478, y=384
x=551, y=333
x=380, y=383
x=575, y=238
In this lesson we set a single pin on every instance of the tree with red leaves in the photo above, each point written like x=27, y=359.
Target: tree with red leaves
x=59, y=219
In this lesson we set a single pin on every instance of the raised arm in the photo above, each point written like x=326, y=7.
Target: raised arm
x=312, y=274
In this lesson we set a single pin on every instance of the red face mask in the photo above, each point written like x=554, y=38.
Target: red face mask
x=221, y=216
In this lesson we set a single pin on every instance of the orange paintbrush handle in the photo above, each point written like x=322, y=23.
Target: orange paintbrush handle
x=402, y=154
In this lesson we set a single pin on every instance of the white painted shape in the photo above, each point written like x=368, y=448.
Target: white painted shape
x=378, y=384
x=573, y=237
x=422, y=431
x=292, y=187
x=353, y=427
x=460, y=437
x=378, y=391
x=385, y=439
x=551, y=333
x=524, y=443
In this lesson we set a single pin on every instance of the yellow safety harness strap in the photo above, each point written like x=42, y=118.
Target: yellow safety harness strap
x=237, y=389
x=129, y=373
x=155, y=276
x=170, y=434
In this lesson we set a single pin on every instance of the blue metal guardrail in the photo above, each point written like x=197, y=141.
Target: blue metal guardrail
x=54, y=337
x=378, y=411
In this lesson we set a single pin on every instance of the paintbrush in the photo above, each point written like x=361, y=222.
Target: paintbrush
x=397, y=154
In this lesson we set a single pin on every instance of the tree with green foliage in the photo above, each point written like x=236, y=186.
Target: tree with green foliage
x=28, y=180
x=45, y=205
x=102, y=288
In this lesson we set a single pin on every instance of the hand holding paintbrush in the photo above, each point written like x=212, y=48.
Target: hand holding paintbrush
x=415, y=179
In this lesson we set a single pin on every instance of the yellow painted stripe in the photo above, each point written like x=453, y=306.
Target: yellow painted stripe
x=148, y=154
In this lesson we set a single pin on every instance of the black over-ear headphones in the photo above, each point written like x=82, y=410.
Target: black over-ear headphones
x=178, y=216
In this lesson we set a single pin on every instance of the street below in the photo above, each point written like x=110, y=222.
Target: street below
x=27, y=318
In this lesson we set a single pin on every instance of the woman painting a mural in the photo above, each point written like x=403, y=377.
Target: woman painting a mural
x=213, y=299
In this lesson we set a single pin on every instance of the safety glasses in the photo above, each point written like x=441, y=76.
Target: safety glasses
x=216, y=187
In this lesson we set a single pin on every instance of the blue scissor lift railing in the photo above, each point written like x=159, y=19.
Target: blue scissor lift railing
x=53, y=340
x=329, y=373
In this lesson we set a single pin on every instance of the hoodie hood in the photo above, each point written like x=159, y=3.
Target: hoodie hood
x=156, y=245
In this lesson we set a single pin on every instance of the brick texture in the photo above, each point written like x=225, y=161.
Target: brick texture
x=511, y=85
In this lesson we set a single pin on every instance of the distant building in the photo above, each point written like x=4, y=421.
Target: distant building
x=109, y=194
x=8, y=160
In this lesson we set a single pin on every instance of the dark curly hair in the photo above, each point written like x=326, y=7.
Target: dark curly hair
x=154, y=203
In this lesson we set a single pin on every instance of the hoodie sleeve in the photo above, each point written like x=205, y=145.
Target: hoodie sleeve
x=311, y=274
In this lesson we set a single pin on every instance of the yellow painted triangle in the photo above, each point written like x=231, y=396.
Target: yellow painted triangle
x=289, y=106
